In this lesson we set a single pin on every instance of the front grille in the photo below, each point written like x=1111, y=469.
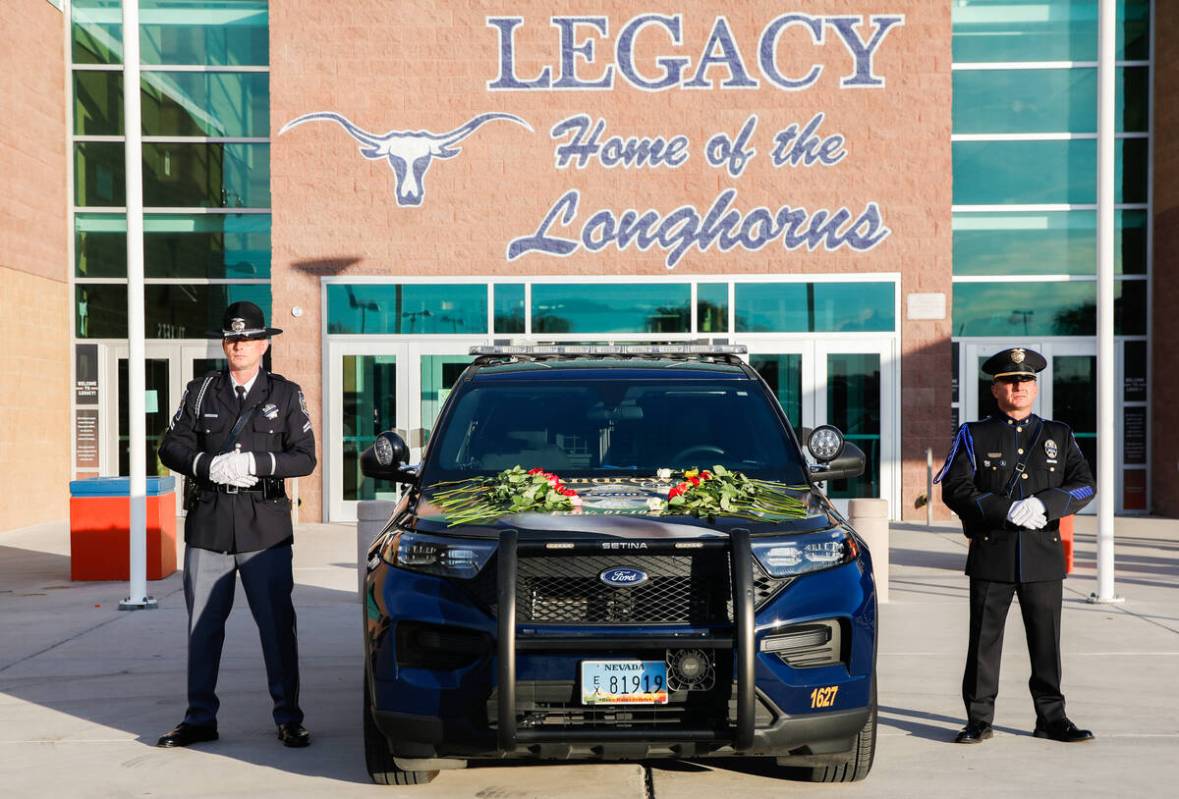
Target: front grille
x=681, y=589
x=565, y=589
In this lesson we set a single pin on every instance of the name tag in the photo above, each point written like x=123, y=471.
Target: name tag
x=210, y=416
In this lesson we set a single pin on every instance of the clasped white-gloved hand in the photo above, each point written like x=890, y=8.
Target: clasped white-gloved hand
x=235, y=469
x=1029, y=513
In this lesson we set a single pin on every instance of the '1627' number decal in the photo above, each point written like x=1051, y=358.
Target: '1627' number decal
x=824, y=697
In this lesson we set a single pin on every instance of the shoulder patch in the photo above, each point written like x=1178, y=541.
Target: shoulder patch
x=303, y=405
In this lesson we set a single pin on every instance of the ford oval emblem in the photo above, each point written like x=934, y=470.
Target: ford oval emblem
x=623, y=577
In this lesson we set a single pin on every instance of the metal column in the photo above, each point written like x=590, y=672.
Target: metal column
x=137, y=598
x=1106, y=491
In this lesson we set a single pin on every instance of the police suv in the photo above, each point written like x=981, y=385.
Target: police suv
x=555, y=582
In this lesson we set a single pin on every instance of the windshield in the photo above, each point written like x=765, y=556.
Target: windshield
x=608, y=428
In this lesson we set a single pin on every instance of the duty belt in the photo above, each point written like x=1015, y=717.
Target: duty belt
x=268, y=487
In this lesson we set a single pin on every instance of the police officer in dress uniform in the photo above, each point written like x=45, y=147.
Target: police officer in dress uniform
x=235, y=436
x=1010, y=478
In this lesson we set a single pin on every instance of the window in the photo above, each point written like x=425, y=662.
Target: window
x=414, y=308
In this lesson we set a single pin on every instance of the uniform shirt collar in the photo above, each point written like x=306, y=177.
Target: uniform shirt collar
x=234, y=384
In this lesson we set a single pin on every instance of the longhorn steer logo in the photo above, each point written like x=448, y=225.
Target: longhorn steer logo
x=409, y=152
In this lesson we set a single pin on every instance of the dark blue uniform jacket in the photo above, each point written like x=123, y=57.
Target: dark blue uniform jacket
x=976, y=474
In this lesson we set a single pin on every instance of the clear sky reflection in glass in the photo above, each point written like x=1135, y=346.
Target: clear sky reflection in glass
x=412, y=308
x=1044, y=242
x=1038, y=172
x=611, y=308
x=815, y=307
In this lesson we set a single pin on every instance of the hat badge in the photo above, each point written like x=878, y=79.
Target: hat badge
x=1017, y=355
x=237, y=325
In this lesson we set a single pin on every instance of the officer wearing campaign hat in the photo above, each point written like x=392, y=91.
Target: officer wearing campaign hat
x=235, y=437
x=1010, y=478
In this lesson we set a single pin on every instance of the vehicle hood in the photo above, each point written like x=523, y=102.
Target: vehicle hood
x=618, y=509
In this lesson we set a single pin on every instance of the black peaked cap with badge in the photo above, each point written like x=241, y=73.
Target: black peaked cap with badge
x=1017, y=362
x=244, y=320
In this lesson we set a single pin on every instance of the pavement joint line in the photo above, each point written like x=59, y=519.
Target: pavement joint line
x=78, y=635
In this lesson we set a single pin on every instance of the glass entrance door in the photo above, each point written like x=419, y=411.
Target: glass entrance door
x=375, y=386
x=848, y=382
x=168, y=368
x=1068, y=388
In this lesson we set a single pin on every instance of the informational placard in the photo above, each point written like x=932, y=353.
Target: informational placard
x=86, y=439
x=927, y=306
x=1134, y=371
x=1134, y=436
x=86, y=374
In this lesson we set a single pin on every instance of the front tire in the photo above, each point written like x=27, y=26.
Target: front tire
x=860, y=763
x=377, y=757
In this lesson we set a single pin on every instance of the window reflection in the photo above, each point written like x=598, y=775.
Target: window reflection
x=97, y=31
x=814, y=307
x=603, y=308
x=206, y=104
x=410, y=308
x=209, y=33
x=1045, y=309
x=1044, y=242
x=1044, y=30
x=509, y=307
x=206, y=175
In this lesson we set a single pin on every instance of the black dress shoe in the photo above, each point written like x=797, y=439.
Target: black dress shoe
x=186, y=734
x=975, y=732
x=293, y=735
x=1064, y=731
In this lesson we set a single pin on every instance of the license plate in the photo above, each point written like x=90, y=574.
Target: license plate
x=623, y=682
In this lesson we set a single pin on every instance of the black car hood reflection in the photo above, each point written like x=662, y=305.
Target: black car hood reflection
x=618, y=508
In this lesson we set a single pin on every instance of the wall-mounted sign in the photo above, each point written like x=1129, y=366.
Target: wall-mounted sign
x=926, y=306
x=86, y=439
x=86, y=374
x=645, y=53
x=1134, y=435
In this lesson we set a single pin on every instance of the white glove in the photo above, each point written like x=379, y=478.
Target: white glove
x=234, y=468
x=239, y=465
x=217, y=470
x=1028, y=513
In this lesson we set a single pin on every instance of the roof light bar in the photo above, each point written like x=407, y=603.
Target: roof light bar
x=609, y=349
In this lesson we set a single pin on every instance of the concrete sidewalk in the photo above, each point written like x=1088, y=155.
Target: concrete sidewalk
x=85, y=690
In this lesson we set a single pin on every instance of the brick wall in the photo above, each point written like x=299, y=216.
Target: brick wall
x=1164, y=411
x=425, y=65
x=34, y=301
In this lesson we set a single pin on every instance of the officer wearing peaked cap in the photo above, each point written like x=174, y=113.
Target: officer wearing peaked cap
x=1010, y=478
x=236, y=435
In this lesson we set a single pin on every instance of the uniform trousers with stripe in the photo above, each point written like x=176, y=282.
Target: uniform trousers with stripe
x=1039, y=604
x=209, y=582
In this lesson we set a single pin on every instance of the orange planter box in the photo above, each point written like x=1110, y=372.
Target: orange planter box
x=1066, y=538
x=100, y=544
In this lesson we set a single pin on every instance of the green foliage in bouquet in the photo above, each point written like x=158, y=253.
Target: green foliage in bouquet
x=511, y=491
x=718, y=491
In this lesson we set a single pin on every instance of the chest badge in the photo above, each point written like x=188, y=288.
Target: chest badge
x=1050, y=448
x=270, y=411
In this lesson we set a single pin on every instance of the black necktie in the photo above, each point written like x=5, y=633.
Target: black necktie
x=241, y=398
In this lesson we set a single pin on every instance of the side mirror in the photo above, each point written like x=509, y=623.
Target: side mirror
x=387, y=458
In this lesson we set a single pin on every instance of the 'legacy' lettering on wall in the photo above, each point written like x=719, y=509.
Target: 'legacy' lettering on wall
x=577, y=66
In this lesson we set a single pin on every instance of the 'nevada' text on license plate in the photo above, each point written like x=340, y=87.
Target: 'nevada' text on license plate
x=619, y=682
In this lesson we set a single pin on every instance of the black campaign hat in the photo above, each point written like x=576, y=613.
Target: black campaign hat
x=244, y=320
x=1015, y=362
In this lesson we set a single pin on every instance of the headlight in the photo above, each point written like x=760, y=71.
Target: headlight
x=440, y=555
x=786, y=557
